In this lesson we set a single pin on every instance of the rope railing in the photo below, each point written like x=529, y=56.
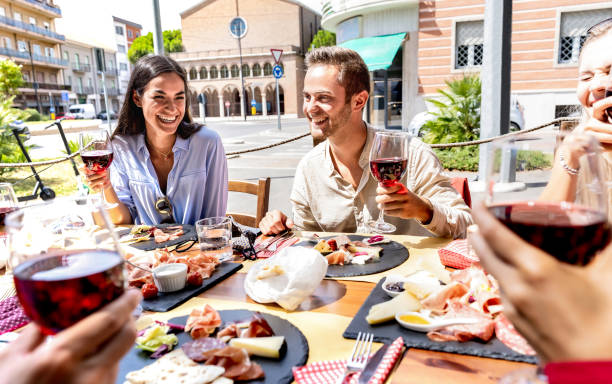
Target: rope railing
x=234, y=154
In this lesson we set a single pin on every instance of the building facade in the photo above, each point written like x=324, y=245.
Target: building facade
x=444, y=40
x=212, y=56
x=125, y=33
x=27, y=36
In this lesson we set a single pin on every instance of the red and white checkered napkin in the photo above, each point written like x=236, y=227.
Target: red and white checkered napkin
x=325, y=372
x=457, y=255
x=11, y=315
x=280, y=244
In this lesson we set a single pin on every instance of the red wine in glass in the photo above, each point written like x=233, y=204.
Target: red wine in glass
x=5, y=211
x=97, y=160
x=609, y=110
x=570, y=232
x=58, y=290
x=388, y=171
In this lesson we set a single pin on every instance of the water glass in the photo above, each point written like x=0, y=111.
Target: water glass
x=8, y=201
x=214, y=236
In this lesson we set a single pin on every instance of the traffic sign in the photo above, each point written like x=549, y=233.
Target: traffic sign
x=276, y=54
x=277, y=71
x=65, y=96
x=238, y=27
x=51, y=109
x=253, y=103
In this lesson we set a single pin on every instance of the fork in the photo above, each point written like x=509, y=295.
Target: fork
x=268, y=245
x=359, y=355
x=286, y=235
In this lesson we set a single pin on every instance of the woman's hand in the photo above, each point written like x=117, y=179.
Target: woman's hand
x=564, y=311
x=399, y=201
x=87, y=352
x=598, y=124
x=96, y=181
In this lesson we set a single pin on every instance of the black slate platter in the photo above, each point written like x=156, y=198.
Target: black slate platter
x=149, y=245
x=294, y=352
x=392, y=255
x=389, y=331
x=166, y=301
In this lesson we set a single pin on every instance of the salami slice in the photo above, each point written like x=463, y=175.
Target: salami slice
x=203, y=348
x=507, y=334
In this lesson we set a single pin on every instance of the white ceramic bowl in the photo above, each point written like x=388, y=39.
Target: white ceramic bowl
x=170, y=277
x=392, y=279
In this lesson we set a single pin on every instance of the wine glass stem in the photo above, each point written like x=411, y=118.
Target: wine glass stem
x=381, y=216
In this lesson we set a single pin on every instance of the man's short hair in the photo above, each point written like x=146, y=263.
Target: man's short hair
x=353, y=73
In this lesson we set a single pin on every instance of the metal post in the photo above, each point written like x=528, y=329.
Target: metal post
x=386, y=99
x=158, y=36
x=278, y=105
x=106, y=102
x=242, y=98
x=495, y=105
x=34, y=82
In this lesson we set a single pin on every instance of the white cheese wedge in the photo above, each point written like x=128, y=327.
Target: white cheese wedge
x=422, y=284
x=385, y=311
x=223, y=380
x=260, y=346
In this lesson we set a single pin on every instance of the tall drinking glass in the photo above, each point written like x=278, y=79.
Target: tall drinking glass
x=8, y=201
x=388, y=162
x=214, y=237
x=59, y=281
x=97, y=154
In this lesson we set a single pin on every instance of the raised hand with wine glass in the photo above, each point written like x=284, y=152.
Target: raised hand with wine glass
x=97, y=155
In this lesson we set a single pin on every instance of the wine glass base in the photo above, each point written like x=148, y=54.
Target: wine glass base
x=381, y=227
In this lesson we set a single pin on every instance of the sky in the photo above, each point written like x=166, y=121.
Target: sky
x=83, y=20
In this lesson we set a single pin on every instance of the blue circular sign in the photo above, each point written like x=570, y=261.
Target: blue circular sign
x=238, y=27
x=277, y=71
x=253, y=103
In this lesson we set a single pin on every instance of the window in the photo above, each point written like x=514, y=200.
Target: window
x=348, y=29
x=256, y=69
x=121, y=48
x=118, y=29
x=66, y=56
x=193, y=74
x=53, y=78
x=224, y=72
x=123, y=66
x=203, y=73
x=130, y=33
x=40, y=76
x=76, y=61
x=21, y=46
x=469, y=42
x=80, y=84
x=572, y=33
x=69, y=80
x=213, y=72
x=26, y=75
x=2, y=11
x=17, y=16
x=46, y=25
x=36, y=49
x=90, y=83
x=111, y=64
x=235, y=71
x=246, y=71
x=137, y=34
x=267, y=69
x=87, y=60
x=49, y=52
x=7, y=42
x=32, y=21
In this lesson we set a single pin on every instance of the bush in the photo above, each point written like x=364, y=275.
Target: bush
x=31, y=114
x=459, y=158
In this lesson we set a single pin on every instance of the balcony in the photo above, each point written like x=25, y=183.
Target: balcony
x=336, y=11
x=109, y=91
x=82, y=90
x=44, y=5
x=24, y=55
x=111, y=72
x=46, y=86
x=80, y=67
x=31, y=28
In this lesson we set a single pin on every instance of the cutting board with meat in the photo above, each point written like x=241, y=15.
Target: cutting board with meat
x=356, y=255
x=148, y=238
x=219, y=349
x=489, y=334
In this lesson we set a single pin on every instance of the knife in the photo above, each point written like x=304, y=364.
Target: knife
x=370, y=368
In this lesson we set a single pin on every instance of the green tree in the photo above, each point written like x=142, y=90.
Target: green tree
x=143, y=45
x=10, y=77
x=323, y=38
x=9, y=150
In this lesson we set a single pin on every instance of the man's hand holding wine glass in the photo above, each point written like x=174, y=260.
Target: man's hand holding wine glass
x=399, y=201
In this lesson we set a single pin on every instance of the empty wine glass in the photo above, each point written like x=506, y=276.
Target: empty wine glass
x=388, y=162
x=97, y=154
x=8, y=201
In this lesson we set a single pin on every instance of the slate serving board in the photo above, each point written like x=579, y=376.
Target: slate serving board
x=166, y=301
x=294, y=352
x=389, y=331
x=149, y=245
x=392, y=255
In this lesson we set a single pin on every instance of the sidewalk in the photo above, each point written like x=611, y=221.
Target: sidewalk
x=69, y=126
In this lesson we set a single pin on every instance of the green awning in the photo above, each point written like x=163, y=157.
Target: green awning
x=378, y=52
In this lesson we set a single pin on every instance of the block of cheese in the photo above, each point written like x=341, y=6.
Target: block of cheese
x=223, y=380
x=260, y=346
x=386, y=310
x=323, y=247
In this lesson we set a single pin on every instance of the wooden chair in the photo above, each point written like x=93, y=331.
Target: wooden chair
x=261, y=190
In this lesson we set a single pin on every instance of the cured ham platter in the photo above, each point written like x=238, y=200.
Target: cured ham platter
x=148, y=238
x=203, y=347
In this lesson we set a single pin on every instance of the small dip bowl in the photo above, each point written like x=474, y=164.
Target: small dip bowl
x=170, y=277
x=393, y=285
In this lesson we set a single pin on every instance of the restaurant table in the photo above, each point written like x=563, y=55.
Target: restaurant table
x=325, y=315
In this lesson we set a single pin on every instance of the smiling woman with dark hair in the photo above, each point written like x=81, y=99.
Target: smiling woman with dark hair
x=166, y=168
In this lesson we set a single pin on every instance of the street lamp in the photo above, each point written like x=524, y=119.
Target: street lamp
x=34, y=82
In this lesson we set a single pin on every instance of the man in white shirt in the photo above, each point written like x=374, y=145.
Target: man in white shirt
x=333, y=190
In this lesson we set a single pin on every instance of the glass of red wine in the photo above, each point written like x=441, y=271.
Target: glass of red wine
x=8, y=201
x=388, y=161
x=59, y=281
x=97, y=154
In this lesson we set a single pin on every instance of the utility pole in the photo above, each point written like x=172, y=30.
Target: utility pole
x=34, y=82
x=242, y=95
x=158, y=36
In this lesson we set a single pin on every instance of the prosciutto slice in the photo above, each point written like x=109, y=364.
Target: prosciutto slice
x=507, y=334
x=437, y=302
x=237, y=364
x=482, y=330
x=202, y=322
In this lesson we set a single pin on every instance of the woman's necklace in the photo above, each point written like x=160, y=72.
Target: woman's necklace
x=166, y=156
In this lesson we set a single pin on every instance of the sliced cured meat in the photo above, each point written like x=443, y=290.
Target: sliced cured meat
x=338, y=257
x=482, y=330
x=160, y=236
x=254, y=372
x=173, y=228
x=202, y=322
x=507, y=334
x=228, y=332
x=203, y=348
x=437, y=301
x=237, y=364
x=340, y=240
x=258, y=327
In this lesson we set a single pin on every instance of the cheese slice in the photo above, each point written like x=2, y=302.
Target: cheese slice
x=385, y=311
x=260, y=346
x=223, y=380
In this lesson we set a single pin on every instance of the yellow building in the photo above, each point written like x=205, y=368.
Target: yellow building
x=27, y=36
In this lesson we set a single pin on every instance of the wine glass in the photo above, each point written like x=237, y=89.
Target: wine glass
x=60, y=281
x=388, y=162
x=608, y=94
x=97, y=154
x=8, y=201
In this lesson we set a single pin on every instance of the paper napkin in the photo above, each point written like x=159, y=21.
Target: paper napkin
x=280, y=244
x=11, y=315
x=457, y=255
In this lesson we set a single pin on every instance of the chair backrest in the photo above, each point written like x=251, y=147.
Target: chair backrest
x=260, y=189
x=461, y=185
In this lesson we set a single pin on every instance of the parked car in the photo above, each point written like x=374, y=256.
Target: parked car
x=82, y=111
x=102, y=115
x=517, y=119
